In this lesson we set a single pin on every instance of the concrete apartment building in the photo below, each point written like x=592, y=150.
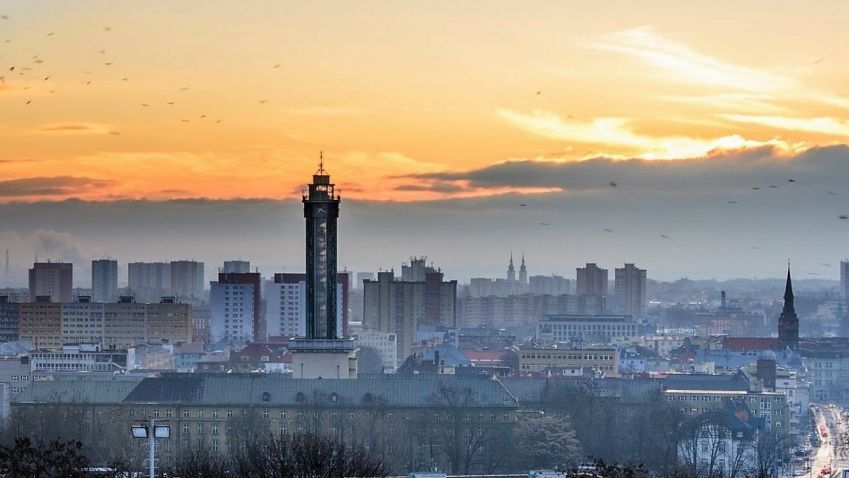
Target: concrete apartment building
x=49, y=325
x=52, y=279
x=9, y=326
x=518, y=310
x=232, y=311
x=286, y=305
x=187, y=280
x=399, y=307
x=148, y=281
x=629, y=289
x=104, y=280
x=591, y=280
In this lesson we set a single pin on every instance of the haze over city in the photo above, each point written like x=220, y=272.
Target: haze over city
x=548, y=239
x=129, y=117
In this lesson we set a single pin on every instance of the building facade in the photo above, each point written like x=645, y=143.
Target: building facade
x=399, y=307
x=591, y=280
x=187, y=280
x=602, y=360
x=148, y=281
x=286, y=305
x=52, y=279
x=104, y=280
x=629, y=288
x=598, y=329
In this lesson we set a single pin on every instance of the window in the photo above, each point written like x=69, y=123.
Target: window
x=282, y=429
x=200, y=413
x=215, y=414
x=282, y=413
x=200, y=428
x=265, y=413
x=185, y=429
x=215, y=429
x=229, y=413
x=168, y=413
x=155, y=413
x=185, y=414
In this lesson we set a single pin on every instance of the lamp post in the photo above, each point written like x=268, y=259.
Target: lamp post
x=151, y=431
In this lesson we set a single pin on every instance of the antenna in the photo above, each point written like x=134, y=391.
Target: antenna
x=320, y=162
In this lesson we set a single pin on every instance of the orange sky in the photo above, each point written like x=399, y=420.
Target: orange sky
x=390, y=89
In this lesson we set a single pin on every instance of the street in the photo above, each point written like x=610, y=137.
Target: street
x=832, y=454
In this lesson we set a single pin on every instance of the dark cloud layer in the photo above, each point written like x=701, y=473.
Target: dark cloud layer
x=719, y=226
x=732, y=172
x=48, y=186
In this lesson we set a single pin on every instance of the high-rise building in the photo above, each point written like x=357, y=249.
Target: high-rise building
x=629, y=287
x=481, y=287
x=548, y=285
x=286, y=305
x=788, y=323
x=592, y=280
x=416, y=270
x=52, y=279
x=149, y=281
x=187, y=280
x=844, y=279
x=104, y=280
x=236, y=307
x=237, y=266
x=322, y=353
x=9, y=326
x=362, y=276
x=399, y=307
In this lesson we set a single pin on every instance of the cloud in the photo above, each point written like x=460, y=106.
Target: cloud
x=49, y=186
x=815, y=170
x=75, y=128
x=676, y=61
x=618, y=133
x=823, y=125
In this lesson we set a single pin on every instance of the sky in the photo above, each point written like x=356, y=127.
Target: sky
x=630, y=131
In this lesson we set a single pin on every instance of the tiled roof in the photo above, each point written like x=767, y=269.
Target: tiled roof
x=276, y=390
x=95, y=389
x=749, y=343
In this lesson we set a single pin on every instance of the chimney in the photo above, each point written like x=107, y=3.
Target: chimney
x=723, y=300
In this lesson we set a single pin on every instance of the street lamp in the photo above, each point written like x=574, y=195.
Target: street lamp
x=143, y=431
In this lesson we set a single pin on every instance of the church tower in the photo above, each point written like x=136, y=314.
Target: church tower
x=523, y=273
x=788, y=323
x=511, y=270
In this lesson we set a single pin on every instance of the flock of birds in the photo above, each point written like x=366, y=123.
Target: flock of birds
x=37, y=60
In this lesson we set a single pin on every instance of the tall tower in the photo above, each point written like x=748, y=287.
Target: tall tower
x=788, y=323
x=322, y=353
x=523, y=273
x=321, y=210
x=511, y=270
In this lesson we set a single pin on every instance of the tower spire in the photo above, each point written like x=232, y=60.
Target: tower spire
x=788, y=288
x=321, y=163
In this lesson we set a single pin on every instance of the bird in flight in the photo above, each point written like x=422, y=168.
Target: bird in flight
x=539, y=93
x=4, y=17
x=50, y=34
x=262, y=102
x=46, y=78
x=831, y=193
x=171, y=103
x=108, y=63
x=607, y=230
x=754, y=247
x=523, y=205
x=124, y=79
x=28, y=102
x=276, y=66
x=145, y=105
x=732, y=202
x=791, y=180
x=664, y=236
x=544, y=224
x=218, y=121
x=107, y=29
x=613, y=184
x=844, y=216
x=755, y=188
x=773, y=187
x=185, y=88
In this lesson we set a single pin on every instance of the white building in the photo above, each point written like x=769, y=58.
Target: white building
x=104, y=280
x=604, y=329
x=286, y=306
x=78, y=358
x=231, y=312
x=384, y=343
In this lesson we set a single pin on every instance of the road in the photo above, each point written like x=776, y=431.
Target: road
x=832, y=451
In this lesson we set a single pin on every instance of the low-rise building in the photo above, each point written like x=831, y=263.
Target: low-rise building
x=603, y=360
x=597, y=329
x=78, y=358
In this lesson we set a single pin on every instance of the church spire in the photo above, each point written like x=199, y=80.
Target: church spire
x=788, y=290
